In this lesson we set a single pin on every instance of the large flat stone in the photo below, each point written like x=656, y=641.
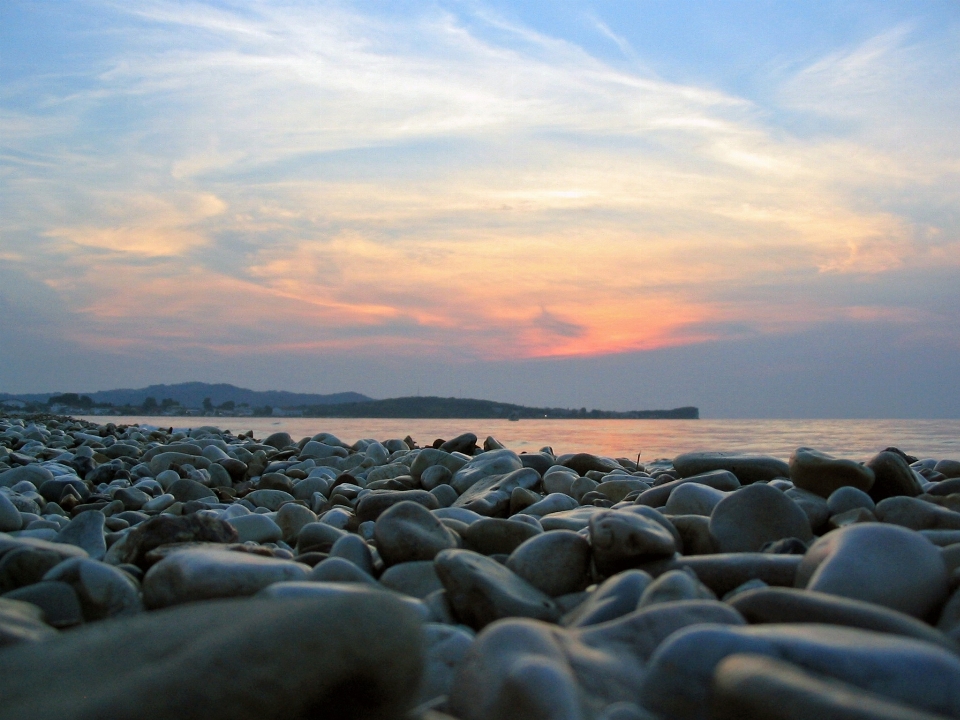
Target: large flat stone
x=748, y=468
x=353, y=655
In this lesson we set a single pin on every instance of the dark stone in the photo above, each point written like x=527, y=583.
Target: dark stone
x=790, y=605
x=375, y=502
x=318, y=537
x=354, y=654
x=311, y=558
x=785, y=546
x=945, y=487
x=235, y=468
x=279, y=440
x=462, y=443
x=491, y=495
x=25, y=566
x=107, y=473
x=167, y=529
x=909, y=458
x=82, y=465
x=541, y=462
x=617, y=596
x=893, y=477
x=59, y=602
x=275, y=481
x=725, y=571
x=748, y=468
x=132, y=517
x=491, y=536
x=52, y=490
x=658, y=495
x=582, y=463
x=82, y=507
x=185, y=490
x=132, y=498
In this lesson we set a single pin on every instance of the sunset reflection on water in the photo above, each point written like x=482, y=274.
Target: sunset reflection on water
x=856, y=439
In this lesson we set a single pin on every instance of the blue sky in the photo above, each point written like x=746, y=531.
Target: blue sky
x=553, y=203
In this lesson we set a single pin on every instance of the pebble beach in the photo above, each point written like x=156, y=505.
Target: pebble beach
x=161, y=573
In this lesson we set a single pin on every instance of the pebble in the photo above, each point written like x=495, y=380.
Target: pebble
x=883, y=564
x=693, y=499
x=582, y=463
x=291, y=518
x=10, y=519
x=658, y=496
x=582, y=575
x=849, y=498
x=434, y=476
x=747, y=519
x=185, y=490
x=490, y=495
x=86, y=531
x=481, y=590
x=318, y=537
x=822, y=474
x=915, y=673
x=24, y=565
x=893, y=477
x=445, y=648
x=103, y=590
x=724, y=572
x=269, y=499
x=496, y=462
x=355, y=653
x=747, y=468
x=621, y=540
x=164, y=530
x=948, y=468
x=746, y=685
x=336, y=569
x=191, y=575
x=375, y=502
x=674, y=586
x=525, y=668
x=555, y=562
x=553, y=503
x=352, y=548
x=256, y=528
x=408, y=532
x=33, y=473
x=496, y=536
x=58, y=601
x=815, y=507
x=22, y=622
x=916, y=514
x=416, y=579
x=790, y=605
x=616, y=596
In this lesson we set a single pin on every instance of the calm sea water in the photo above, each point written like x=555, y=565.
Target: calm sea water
x=855, y=439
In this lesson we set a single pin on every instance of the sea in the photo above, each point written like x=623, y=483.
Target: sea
x=648, y=439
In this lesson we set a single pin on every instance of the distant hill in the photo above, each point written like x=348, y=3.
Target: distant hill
x=192, y=395
x=224, y=399
x=438, y=407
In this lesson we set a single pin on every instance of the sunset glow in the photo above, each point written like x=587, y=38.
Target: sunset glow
x=471, y=182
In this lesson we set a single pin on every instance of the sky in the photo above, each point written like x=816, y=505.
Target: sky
x=751, y=207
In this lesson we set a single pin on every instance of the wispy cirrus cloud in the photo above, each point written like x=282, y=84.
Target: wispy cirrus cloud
x=311, y=177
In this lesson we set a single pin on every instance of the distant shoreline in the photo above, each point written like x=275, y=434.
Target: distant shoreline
x=410, y=408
